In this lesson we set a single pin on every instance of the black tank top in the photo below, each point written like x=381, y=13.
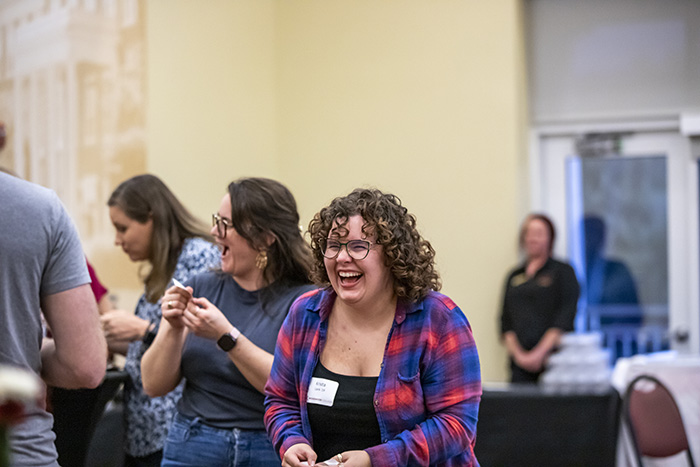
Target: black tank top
x=350, y=423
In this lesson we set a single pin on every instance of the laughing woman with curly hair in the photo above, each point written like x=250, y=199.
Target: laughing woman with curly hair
x=377, y=368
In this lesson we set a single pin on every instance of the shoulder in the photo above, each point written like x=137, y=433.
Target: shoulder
x=307, y=303
x=196, y=246
x=514, y=272
x=305, y=290
x=293, y=292
x=197, y=253
x=438, y=324
x=208, y=278
x=44, y=202
x=560, y=266
x=22, y=190
x=20, y=198
x=304, y=316
x=439, y=301
x=439, y=308
x=309, y=297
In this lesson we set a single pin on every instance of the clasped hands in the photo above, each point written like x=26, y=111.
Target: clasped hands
x=199, y=315
x=532, y=361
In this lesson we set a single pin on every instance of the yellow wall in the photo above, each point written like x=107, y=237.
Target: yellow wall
x=421, y=98
x=211, y=87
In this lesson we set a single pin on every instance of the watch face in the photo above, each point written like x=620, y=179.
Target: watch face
x=226, y=342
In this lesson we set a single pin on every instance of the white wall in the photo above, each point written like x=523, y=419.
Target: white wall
x=621, y=59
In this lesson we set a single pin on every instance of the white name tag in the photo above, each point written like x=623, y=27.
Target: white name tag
x=322, y=392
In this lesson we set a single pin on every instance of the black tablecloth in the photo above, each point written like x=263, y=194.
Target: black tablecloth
x=526, y=425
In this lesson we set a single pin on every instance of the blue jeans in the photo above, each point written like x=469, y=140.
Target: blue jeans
x=192, y=443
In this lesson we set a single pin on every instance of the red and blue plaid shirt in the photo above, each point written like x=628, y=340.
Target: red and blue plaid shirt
x=427, y=394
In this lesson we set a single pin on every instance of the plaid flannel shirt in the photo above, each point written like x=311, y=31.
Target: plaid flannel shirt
x=427, y=394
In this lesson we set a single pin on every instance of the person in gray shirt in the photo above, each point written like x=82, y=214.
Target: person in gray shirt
x=219, y=333
x=43, y=270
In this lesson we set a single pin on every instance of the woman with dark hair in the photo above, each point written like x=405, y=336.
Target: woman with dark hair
x=218, y=333
x=377, y=368
x=539, y=301
x=154, y=227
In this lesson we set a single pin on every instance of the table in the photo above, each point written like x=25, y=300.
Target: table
x=528, y=425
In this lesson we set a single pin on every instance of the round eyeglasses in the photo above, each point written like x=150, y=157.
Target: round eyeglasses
x=221, y=223
x=357, y=249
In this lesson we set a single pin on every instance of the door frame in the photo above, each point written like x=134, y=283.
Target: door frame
x=684, y=238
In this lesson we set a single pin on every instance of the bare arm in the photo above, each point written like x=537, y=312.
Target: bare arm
x=547, y=344
x=206, y=320
x=513, y=347
x=253, y=362
x=77, y=355
x=160, y=365
x=104, y=305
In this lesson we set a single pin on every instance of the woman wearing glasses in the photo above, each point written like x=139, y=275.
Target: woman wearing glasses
x=377, y=368
x=218, y=333
x=152, y=226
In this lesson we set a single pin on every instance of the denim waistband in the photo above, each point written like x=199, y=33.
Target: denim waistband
x=192, y=422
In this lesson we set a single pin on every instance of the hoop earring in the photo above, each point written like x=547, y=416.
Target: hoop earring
x=261, y=260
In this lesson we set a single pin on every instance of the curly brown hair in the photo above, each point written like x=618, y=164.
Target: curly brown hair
x=410, y=258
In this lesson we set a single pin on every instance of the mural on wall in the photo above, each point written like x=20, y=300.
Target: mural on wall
x=72, y=98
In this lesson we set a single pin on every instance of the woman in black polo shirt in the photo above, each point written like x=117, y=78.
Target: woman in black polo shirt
x=539, y=302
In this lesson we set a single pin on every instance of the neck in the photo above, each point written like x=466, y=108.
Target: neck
x=538, y=259
x=535, y=263
x=368, y=317
x=251, y=282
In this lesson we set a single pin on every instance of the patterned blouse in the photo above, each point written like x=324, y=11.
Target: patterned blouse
x=147, y=419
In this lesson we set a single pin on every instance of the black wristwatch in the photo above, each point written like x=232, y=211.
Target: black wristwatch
x=228, y=340
x=151, y=332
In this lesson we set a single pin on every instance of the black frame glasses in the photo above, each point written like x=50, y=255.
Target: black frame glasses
x=356, y=249
x=218, y=221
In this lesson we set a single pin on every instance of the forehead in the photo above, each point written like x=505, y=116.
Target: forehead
x=353, y=225
x=117, y=214
x=537, y=226
x=225, y=206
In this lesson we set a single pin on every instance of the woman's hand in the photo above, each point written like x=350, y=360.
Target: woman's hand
x=205, y=320
x=173, y=305
x=355, y=459
x=299, y=455
x=530, y=361
x=121, y=325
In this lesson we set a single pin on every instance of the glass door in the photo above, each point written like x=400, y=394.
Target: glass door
x=627, y=206
x=620, y=248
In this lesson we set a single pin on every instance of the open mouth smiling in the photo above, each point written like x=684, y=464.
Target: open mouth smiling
x=347, y=278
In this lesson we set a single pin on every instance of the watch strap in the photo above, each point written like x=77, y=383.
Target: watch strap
x=228, y=340
x=151, y=332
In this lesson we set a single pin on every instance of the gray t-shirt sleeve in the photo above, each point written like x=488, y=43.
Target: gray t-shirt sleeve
x=66, y=267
